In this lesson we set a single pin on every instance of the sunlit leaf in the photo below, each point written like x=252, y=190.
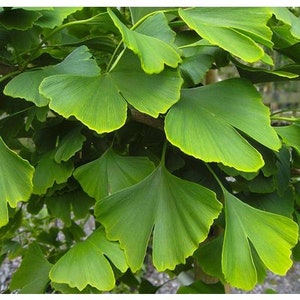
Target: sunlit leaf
x=15, y=180
x=26, y=85
x=87, y=263
x=206, y=122
x=111, y=173
x=32, y=276
x=165, y=204
x=245, y=226
x=238, y=30
x=151, y=41
x=98, y=102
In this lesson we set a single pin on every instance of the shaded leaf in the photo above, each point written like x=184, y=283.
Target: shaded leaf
x=162, y=203
x=86, y=263
x=32, y=276
x=201, y=125
x=47, y=172
x=54, y=17
x=98, y=102
x=26, y=85
x=151, y=41
x=238, y=30
x=69, y=145
x=199, y=287
x=15, y=180
x=290, y=135
x=111, y=173
x=245, y=225
x=19, y=19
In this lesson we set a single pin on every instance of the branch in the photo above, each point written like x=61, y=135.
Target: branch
x=137, y=116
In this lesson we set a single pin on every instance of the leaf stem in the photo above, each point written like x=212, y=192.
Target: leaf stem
x=292, y=119
x=3, y=78
x=216, y=177
x=163, y=154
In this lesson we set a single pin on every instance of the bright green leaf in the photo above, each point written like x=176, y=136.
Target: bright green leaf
x=69, y=145
x=26, y=85
x=111, y=173
x=32, y=276
x=47, y=172
x=98, y=102
x=138, y=13
x=245, y=224
x=15, y=180
x=151, y=41
x=290, y=135
x=86, y=263
x=235, y=29
x=179, y=212
x=205, y=124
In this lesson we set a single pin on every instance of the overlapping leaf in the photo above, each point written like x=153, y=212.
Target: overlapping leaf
x=15, y=180
x=69, y=145
x=111, y=173
x=87, y=263
x=206, y=122
x=179, y=212
x=26, y=85
x=33, y=275
x=151, y=41
x=48, y=171
x=98, y=102
x=245, y=226
x=238, y=30
x=290, y=135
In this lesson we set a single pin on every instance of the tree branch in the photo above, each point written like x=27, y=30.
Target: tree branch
x=146, y=119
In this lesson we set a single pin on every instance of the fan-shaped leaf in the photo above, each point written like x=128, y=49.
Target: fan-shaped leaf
x=205, y=124
x=98, y=102
x=69, y=145
x=33, y=275
x=165, y=204
x=237, y=30
x=245, y=224
x=15, y=180
x=26, y=85
x=151, y=41
x=111, y=173
x=48, y=171
x=86, y=263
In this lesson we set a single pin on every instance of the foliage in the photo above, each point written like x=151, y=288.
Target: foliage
x=109, y=119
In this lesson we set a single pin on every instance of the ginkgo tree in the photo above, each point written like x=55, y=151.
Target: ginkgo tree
x=117, y=150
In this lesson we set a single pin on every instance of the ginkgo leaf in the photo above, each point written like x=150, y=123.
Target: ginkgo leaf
x=98, y=102
x=290, y=135
x=151, y=41
x=205, y=123
x=179, y=212
x=69, y=145
x=33, y=275
x=48, y=171
x=15, y=180
x=26, y=85
x=245, y=226
x=111, y=173
x=238, y=30
x=87, y=263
